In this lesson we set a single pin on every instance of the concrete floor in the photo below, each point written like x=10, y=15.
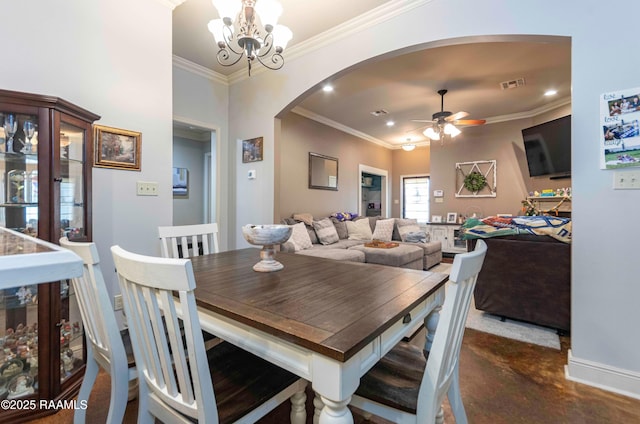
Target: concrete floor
x=502, y=381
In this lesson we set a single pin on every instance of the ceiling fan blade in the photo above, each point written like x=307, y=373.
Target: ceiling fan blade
x=469, y=122
x=456, y=116
x=421, y=120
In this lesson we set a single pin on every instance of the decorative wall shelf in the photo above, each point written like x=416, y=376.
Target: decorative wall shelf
x=487, y=168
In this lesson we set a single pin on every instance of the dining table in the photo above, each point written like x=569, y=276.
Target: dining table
x=324, y=320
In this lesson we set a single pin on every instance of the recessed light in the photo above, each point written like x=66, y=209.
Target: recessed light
x=390, y=123
x=550, y=92
x=327, y=88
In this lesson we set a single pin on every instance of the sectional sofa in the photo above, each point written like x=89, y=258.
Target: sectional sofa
x=337, y=238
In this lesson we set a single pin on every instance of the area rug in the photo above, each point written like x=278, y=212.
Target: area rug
x=487, y=323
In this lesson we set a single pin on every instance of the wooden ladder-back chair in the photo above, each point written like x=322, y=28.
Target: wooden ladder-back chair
x=107, y=347
x=404, y=387
x=180, y=381
x=185, y=241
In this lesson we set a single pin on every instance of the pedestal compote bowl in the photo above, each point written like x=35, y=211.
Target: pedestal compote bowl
x=267, y=236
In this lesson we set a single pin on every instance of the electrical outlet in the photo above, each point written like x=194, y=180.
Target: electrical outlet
x=117, y=302
x=146, y=188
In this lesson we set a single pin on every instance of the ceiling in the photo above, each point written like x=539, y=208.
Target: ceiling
x=405, y=86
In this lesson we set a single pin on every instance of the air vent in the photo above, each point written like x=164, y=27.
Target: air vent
x=519, y=82
x=380, y=112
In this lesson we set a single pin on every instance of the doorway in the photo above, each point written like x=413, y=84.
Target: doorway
x=373, y=192
x=195, y=149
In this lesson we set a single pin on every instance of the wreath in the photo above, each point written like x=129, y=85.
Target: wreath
x=475, y=181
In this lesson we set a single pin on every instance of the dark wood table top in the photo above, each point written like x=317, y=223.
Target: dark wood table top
x=331, y=307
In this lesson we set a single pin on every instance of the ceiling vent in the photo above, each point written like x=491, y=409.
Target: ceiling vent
x=380, y=112
x=519, y=82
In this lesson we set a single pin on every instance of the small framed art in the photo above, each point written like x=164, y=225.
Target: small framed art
x=436, y=218
x=180, y=182
x=452, y=217
x=252, y=150
x=117, y=148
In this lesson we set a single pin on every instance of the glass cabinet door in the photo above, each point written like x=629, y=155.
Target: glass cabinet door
x=72, y=190
x=19, y=211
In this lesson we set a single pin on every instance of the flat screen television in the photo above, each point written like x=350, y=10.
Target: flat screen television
x=548, y=148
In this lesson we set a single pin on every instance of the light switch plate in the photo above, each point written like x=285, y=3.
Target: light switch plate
x=146, y=188
x=626, y=180
x=252, y=174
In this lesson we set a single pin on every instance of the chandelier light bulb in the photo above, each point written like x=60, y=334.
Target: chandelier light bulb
x=282, y=35
x=216, y=28
x=269, y=12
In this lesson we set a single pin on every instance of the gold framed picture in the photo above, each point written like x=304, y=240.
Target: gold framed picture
x=117, y=148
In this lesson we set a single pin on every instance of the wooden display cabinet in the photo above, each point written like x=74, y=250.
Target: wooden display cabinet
x=46, y=146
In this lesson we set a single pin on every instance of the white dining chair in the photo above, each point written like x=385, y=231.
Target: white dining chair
x=185, y=241
x=107, y=347
x=180, y=381
x=404, y=387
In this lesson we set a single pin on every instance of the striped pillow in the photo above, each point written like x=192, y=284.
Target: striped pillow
x=326, y=232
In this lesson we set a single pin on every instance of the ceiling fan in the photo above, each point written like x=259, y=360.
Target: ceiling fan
x=446, y=123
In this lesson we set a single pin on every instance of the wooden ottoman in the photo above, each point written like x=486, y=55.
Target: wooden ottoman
x=402, y=256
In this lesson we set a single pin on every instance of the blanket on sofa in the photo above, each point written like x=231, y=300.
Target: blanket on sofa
x=556, y=227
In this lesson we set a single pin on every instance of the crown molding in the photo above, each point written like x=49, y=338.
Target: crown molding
x=333, y=124
x=494, y=120
x=346, y=29
x=171, y=4
x=199, y=70
x=530, y=113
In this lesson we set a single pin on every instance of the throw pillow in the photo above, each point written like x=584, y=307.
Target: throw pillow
x=406, y=226
x=300, y=237
x=326, y=232
x=359, y=230
x=384, y=229
x=341, y=228
x=416, y=237
x=307, y=218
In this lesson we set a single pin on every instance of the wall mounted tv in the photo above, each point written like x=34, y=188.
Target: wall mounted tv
x=548, y=148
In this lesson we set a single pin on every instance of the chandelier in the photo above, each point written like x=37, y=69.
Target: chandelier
x=239, y=34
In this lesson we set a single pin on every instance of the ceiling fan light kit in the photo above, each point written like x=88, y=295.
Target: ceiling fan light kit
x=408, y=147
x=259, y=39
x=444, y=123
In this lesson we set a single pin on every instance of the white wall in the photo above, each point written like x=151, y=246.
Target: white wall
x=114, y=59
x=605, y=293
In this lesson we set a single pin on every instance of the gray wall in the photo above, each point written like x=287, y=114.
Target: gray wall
x=190, y=154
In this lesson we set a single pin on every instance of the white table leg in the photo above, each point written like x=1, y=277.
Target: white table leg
x=431, y=324
x=318, y=405
x=335, y=412
x=298, y=412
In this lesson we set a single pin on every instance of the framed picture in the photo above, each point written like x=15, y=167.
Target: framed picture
x=117, y=148
x=180, y=182
x=438, y=193
x=451, y=217
x=436, y=218
x=252, y=150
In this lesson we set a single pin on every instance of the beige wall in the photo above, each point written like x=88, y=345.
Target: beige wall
x=299, y=136
x=500, y=141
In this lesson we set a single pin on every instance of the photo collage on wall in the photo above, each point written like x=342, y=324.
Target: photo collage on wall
x=620, y=137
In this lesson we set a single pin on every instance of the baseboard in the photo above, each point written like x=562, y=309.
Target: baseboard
x=602, y=376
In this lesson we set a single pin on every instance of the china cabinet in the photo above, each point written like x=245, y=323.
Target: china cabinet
x=46, y=146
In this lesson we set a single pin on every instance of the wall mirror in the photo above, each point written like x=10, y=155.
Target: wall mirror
x=323, y=172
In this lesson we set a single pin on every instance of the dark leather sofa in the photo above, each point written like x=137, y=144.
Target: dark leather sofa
x=527, y=278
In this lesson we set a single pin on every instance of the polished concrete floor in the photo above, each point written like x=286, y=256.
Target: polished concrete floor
x=502, y=381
